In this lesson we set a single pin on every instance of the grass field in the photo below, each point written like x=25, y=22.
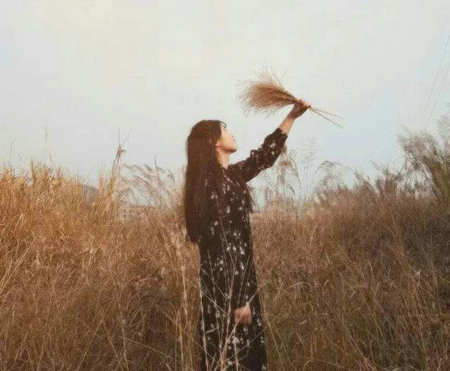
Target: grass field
x=357, y=280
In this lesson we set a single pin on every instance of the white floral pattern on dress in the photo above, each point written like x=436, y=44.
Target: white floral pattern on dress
x=227, y=272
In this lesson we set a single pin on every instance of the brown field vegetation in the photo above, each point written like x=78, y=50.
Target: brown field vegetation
x=359, y=280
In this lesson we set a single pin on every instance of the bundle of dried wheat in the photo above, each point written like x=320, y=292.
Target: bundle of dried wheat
x=268, y=94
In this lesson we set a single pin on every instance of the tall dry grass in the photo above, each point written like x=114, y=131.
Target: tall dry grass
x=358, y=281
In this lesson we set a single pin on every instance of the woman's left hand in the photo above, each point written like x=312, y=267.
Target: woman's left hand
x=299, y=108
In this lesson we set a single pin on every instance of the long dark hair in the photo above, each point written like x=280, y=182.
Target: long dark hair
x=202, y=162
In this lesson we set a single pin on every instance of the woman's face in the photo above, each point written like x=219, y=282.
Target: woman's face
x=226, y=141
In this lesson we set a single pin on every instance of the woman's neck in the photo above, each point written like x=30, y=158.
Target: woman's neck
x=223, y=158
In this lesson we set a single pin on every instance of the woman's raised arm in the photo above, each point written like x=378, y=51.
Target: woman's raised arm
x=267, y=153
x=261, y=158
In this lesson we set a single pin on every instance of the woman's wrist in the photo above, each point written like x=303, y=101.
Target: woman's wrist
x=287, y=123
x=291, y=116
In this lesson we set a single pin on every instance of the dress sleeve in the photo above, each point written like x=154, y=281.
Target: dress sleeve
x=263, y=157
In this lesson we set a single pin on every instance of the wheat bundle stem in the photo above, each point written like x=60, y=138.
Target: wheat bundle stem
x=268, y=94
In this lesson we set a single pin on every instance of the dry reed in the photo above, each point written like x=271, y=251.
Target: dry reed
x=268, y=94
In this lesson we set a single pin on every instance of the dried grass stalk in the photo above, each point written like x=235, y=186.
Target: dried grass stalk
x=268, y=94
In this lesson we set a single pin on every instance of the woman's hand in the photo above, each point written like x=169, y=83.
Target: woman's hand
x=243, y=315
x=299, y=108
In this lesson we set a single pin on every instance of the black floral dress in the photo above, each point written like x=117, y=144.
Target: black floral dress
x=227, y=272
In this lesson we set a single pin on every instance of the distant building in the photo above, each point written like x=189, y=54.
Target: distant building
x=128, y=211
x=89, y=194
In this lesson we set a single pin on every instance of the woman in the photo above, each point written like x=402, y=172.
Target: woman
x=217, y=204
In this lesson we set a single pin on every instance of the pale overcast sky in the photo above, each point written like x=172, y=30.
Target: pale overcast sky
x=78, y=71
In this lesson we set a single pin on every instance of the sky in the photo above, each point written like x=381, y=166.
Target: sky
x=77, y=75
